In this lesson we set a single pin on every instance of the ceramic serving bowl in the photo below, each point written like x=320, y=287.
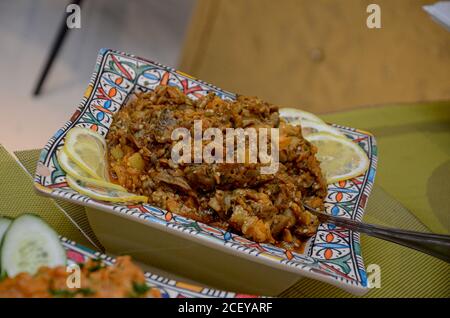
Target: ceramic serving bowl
x=193, y=249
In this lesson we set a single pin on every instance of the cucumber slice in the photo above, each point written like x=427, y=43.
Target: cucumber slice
x=30, y=243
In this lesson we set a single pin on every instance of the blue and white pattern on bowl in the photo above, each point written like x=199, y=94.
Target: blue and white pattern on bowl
x=333, y=255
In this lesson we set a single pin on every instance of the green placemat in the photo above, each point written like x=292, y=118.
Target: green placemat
x=413, y=155
x=17, y=196
x=75, y=213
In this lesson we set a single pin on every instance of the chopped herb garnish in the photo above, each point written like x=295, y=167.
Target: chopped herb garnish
x=64, y=293
x=3, y=276
x=140, y=288
x=86, y=291
x=96, y=267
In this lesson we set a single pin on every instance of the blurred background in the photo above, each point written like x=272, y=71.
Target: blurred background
x=315, y=55
x=28, y=28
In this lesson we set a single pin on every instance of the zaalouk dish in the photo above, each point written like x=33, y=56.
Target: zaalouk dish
x=233, y=196
x=123, y=279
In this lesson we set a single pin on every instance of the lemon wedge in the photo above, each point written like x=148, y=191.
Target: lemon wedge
x=293, y=114
x=311, y=127
x=77, y=173
x=103, y=193
x=87, y=150
x=83, y=158
x=340, y=158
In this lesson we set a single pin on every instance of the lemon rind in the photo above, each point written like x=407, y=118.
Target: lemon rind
x=72, y=182
x=314, y=124
x=364, y=159
x=301, y=114
x=74, y=157
x=71, y=172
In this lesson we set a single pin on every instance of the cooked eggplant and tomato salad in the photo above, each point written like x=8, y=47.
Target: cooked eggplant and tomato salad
x=33, y=264
x=134, y=164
